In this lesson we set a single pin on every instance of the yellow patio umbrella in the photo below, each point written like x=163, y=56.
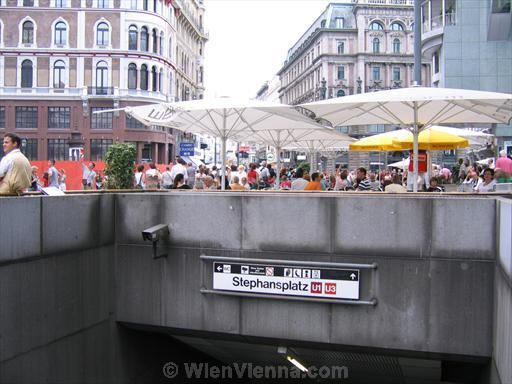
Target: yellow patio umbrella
x=400, y=140
x=381, y=142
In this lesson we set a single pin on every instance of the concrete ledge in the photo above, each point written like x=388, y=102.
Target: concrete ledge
x=389, y=226
x=70, y=223
x=20, y=227
x=463, y=228
x=287, y=223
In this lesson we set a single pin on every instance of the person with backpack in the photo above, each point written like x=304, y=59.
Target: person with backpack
x=139, y=177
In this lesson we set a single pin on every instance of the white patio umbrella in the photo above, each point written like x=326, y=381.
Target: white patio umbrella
x=475, y=138
x=226, y=118
x=328, y=144
x=403, y=164
x=418, y=107
x=299, y=137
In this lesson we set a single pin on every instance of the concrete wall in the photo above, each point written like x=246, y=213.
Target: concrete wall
x=502, y=335
x=57, y=298
x=71, y=266
x=434, y=281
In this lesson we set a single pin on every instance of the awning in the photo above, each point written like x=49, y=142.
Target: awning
x=193, y=159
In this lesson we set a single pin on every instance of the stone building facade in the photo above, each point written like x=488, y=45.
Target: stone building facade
x=63, y=60
x=353, y=47
x=469, y=45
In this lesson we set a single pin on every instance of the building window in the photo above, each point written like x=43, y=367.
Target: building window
x=59, y=70
x=435, y=59
x=2, y=117
x=144, y=77
x=133, y=4
x=133, y=36
x=28, y=33
x=341, y=72
x=397, y=27
x=376, y=128
x=396, y=73
x=145, y=5
x=132, y=123
x=101, y=78
x=59, y=117
x=376, y=45
x=26, y=74
x=99, y=148
x=161, y=45
x=501, y=6
x=132, y=76
x=26, y=117
x=102, y=37
x=155, y=5
x=146, y=151
x=101, y=120
x=341, y=47
x=60, y=33
x=340, y=93
x=58, y=149
x=61, y=3
x=102, y=4
x=339, y=22
x=29, y=148
x=28, y=3
x=396, y=46
x=144, y=39
x=155, y=41
x=376, y=26
x=376, y=73
x=154, y=79
x=160, y=80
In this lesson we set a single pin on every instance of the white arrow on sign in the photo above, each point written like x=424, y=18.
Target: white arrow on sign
x=219, y=268
x=353, y=276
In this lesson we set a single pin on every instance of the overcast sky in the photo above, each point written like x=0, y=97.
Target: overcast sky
x=249, y=40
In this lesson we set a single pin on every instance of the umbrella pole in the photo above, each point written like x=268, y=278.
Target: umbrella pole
x=278, y=154
x=278, y=171
x=415, y=135
x=223, y=153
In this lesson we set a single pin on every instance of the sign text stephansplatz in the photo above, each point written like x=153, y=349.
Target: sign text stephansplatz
x=329, y=283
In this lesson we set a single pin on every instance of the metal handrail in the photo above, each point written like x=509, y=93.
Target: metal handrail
x=290, y=262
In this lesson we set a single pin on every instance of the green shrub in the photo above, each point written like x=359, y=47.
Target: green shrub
x=306, y=167
x=120, y=159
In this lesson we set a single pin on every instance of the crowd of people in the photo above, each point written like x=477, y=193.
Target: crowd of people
x=263, y=176
x=16, y=176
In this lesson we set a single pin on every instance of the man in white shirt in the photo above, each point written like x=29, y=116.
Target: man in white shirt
x=299, y=183
x=167, y=178
x=15, y=169
x=180, y=167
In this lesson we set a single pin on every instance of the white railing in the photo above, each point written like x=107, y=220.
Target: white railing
x=391, y=3
x=40, y=91
x=142, y=93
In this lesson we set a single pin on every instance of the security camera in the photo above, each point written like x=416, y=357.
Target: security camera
x=154, y=233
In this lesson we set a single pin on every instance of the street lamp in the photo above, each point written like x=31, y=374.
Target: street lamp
x=323, y=88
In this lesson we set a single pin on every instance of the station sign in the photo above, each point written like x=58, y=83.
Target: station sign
x=186, y=149
x=327, y=283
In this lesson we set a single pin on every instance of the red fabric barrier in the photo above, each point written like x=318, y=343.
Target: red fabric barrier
x=73, y=170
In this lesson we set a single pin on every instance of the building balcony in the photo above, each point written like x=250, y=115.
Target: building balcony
x=386, y=3
x=18, y=92
x=100, y=91
x=140, y=93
